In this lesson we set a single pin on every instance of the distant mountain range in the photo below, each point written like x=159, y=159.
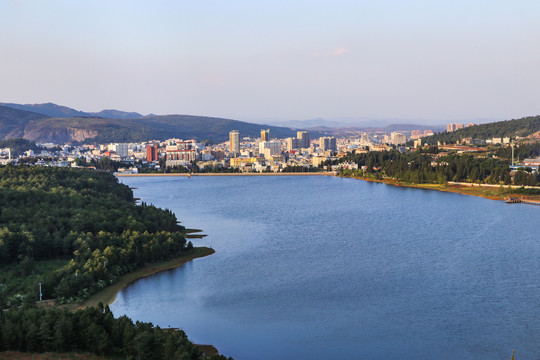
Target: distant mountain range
x=60, y=124
x=368, y=123
x=58, y=111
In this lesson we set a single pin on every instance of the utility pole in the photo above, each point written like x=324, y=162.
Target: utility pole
x=40, y=294
x=512, y=145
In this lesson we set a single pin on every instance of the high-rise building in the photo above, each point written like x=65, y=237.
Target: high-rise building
x=397, y=138
x=269, y=148
x=234, y=142
x=303, y=139
x=292, y=143
x=265, y=135
x=454, y=127
x=120, y=149
x=151, y=152
x=328, y=144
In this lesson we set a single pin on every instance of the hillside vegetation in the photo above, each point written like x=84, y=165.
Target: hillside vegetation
x=74, y=232
x=93, y=330
x=509, y=128
x=419, y=168
x=13, y=122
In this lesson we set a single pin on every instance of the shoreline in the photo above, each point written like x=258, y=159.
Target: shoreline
x=486, y=191
x=108, y=294
x=228, y=174
x=470, y=189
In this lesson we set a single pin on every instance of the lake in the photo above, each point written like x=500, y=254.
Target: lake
x=322, y=267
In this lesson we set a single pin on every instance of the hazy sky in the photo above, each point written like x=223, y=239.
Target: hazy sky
x=293, y=59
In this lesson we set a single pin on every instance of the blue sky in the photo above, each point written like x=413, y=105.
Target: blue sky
x=436, y=60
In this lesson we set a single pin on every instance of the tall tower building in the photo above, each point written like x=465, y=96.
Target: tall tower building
x=292, y=143
x=328, y=144
x=234, y=142
x=265, y=135
x=303, y=139
x=151, y=152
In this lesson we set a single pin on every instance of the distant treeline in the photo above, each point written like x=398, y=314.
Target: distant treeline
x=93, y=330
x=417, y=168
x=85, y=218
x=509, y=128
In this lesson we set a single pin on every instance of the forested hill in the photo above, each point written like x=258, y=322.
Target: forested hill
x=13, y=121
x=96, y=128
x=74, y=232
x=509, y=128
x=84, y=218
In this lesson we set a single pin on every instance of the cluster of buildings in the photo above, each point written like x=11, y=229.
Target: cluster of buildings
x=244, y=154
x=453, y=127
x=267, y=154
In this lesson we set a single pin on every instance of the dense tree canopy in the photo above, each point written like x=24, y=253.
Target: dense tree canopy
x=419, y=167
x=86, y=218
x=93, y=330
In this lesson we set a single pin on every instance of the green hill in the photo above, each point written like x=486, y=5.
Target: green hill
x=99, y=130
x=210, y=128
x=41, y=128
x=509, y=128
x=13, y=121
x=65, y=234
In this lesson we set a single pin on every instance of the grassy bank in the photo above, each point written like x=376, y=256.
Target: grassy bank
x=491, y=192
x=107, y=295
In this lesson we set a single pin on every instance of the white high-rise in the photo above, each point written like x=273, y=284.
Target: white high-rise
x=269, y=148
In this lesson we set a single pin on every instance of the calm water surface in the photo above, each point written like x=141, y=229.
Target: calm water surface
x=326, y=268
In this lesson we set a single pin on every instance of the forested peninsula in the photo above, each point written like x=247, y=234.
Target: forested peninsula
x=75, y=232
